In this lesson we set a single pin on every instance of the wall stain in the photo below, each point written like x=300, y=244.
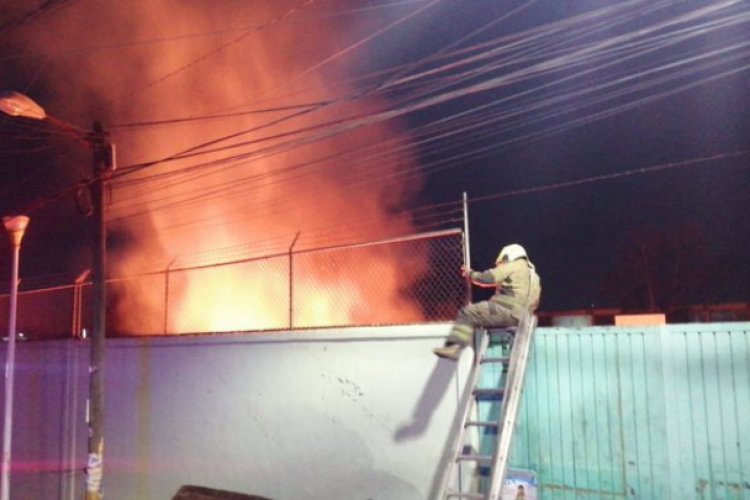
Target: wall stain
x=351, y=390
x=585, y=491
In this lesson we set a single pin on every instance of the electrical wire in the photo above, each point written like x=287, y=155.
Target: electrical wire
x=546, y=67
x=678, y=89
x=440, y=98
x=134, y=168
x=446, y=213
x=194, y=62
x=91, y=49
x=615, y=175
x=44, y=8
x=278, y=121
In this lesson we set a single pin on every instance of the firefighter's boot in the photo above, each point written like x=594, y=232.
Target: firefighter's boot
x=452, y=352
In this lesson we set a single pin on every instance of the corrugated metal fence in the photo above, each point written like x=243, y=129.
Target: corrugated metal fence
x=653, y=413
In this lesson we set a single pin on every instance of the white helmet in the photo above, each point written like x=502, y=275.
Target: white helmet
x=512, y=252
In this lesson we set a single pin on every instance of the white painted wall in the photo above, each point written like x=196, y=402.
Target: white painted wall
x=340, y=414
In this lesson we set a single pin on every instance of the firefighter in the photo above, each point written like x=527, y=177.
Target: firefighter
x=517, y=291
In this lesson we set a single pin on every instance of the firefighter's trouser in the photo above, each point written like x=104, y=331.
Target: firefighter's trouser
x=485, y=314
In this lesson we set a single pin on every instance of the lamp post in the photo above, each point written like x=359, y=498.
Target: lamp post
x=16, y=104
x=15, y=226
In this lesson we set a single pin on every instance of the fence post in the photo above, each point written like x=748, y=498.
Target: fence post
x=166, y=295
x=291, y=281
x=467, y=249
x=78, y=302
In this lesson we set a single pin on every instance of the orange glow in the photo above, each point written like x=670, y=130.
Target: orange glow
x=172, y=215
x=220, y=300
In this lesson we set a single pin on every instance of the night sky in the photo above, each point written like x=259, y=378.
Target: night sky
x=595, y=133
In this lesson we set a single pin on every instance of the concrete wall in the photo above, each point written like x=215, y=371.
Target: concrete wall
x=364, y=413
x=341, y=414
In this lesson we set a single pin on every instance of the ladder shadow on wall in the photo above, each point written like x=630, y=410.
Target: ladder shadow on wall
x=433, y=393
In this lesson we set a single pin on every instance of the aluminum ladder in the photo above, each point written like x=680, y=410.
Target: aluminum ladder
x=486, y=475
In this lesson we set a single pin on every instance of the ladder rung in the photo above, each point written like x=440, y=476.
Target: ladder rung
x=480, y=423
x=514, y=344
x=503, y=329
x=486, y=459
x=468, y=496
x=503, y=332
x=504, y=360
x=498, y=393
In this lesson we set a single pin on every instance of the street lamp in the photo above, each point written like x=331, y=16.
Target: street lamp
x=15, y=227
x=17, y=104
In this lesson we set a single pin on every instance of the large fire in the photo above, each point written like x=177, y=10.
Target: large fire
x=207, y=58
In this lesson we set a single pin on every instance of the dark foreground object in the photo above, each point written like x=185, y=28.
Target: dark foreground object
x=188, y=492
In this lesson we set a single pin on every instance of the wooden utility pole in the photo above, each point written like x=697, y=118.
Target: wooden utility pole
x=104, y=164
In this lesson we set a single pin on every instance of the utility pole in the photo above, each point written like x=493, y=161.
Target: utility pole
x=104, y=164
x=16, y=104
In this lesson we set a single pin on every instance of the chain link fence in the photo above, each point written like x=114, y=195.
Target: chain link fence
x=396, y=281
x=42, y=314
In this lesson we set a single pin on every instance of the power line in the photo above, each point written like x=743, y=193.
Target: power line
x=273, y=22
x=615, y=175
x=556, y=62
x=388, y=83
x=189, y=119
x=203, y=34
x=132, y=168
x=535, y=106
x=438, y=215
x=44, y=8
x=393, y=80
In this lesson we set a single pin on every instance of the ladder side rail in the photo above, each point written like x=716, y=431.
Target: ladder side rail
x=519, y=354
x=458, y=430
x=514, y=388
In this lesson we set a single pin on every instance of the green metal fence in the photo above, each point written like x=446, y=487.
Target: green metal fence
x=651, y=413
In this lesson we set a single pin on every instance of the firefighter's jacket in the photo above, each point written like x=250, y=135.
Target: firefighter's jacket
x=517, y=285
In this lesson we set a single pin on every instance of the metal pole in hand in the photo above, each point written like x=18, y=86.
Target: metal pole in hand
x=291, y=280
x=467, y=249
x=16, y=226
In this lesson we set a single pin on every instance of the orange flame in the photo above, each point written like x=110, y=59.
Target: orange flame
x=174, y=213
